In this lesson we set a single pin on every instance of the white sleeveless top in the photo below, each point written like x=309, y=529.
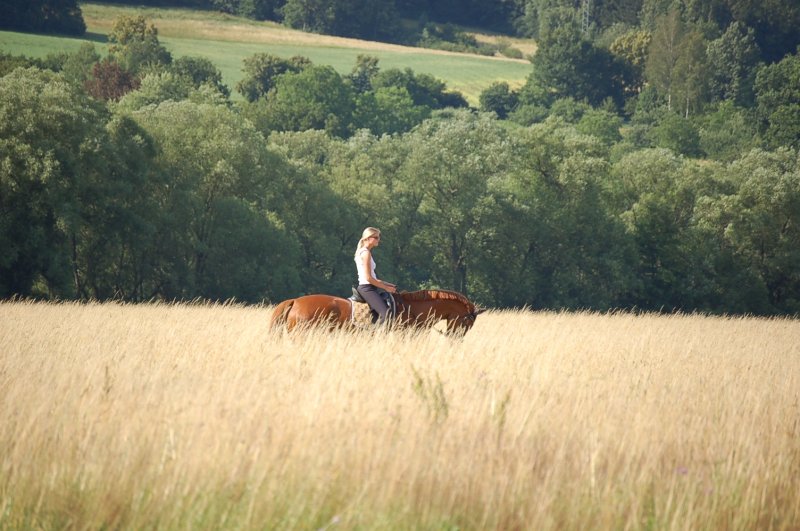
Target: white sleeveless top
x=362, y=273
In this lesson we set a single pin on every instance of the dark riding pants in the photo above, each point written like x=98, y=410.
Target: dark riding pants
x=373, y=297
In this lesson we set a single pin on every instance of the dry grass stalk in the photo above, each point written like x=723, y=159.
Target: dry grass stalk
x=176, y=416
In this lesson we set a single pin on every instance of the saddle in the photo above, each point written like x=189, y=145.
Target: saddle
x=364, y=315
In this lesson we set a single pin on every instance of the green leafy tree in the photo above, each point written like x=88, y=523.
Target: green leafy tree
x=499, y=99
x=46, y=16
x=118, y=254
x=727, y=132
x=424, y=89
x=778, y=101
x=664, y=54
x=200, y=71
x=9, y=62
x=451, y=160
x=678, y=134
x=656, y=193
x=365, y=69
x=388, y=110
x=756, y=225
x=156, y=88
x=601, y=124
x=78, y=65
x=734, y=58
x=567, y=64
x=526, y=19
x=692, y=74
x=254, y=9
x=325, y=217
x=369, y=19
x=632, y=48
x=765, y=222
x=553, y=242
x=774, y=24
x=262, y=70
x=134, y=44
x=316, y=98
x=51, y=156
x=224, y=183
x=569, y=110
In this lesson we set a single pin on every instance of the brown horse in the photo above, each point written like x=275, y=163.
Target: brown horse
x=415, y=309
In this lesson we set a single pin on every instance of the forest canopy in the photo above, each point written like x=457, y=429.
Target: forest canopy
x=648, y=162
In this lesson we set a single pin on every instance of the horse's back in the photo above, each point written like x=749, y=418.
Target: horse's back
x=316, y=308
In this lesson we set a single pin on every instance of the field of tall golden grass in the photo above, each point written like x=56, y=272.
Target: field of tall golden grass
x=177, y=416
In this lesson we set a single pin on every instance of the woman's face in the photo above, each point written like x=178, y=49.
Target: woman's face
x=375, y=240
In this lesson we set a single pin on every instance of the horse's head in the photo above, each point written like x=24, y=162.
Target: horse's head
x=426, y=307
x=462, y=324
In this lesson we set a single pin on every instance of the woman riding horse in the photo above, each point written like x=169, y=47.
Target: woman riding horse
x=368, y=283
x=416, y=309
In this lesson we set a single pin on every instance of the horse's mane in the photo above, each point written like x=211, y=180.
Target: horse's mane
x=432, y=294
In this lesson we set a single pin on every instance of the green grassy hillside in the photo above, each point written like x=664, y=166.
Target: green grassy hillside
x=227, y=40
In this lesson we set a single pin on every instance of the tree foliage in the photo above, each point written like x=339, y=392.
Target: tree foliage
x=134, y=44
x=46, y=16
x=567, y=64
x=671, y=186
x=262, y=71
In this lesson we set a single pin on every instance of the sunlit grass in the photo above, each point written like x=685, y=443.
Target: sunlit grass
x=228, y=40
x=176, y=416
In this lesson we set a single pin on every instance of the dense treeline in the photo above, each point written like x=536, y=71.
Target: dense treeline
x=428, y=22
x=617, y=177
x=46, y=16
x=172, y=192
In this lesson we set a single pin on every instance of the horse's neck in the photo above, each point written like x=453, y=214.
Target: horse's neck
x=424, y=308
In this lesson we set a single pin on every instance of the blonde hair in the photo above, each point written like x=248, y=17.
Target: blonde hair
x=368, y=233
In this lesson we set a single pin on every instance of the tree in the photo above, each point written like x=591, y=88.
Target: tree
x=365, y=69
x=262, y=71
x=316, y=98
x=778, y=101
x=134, y=44
x=734, y=58
x=774, y=24
x=46, y=16
x=113, y=253
x=691, y=74
x=388, y=110
x=632, y=47
x=224, y=184
x=567, y=64
x=109, y=81
x=76, y=67
x=255, y=9
x=664, y=54
x=156, y=88
x=758, y=225
x=51, y=155
x=200, y=71
x=499, y=99
x=424, y=89
x=676, y=133
x=451, y=161
x=601, y=124
x=368, y=19
x=552, y=241
x=727, y=132
x=325, y=215
x=656, y=195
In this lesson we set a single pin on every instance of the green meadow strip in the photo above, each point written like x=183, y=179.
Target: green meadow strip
x=468, y=74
